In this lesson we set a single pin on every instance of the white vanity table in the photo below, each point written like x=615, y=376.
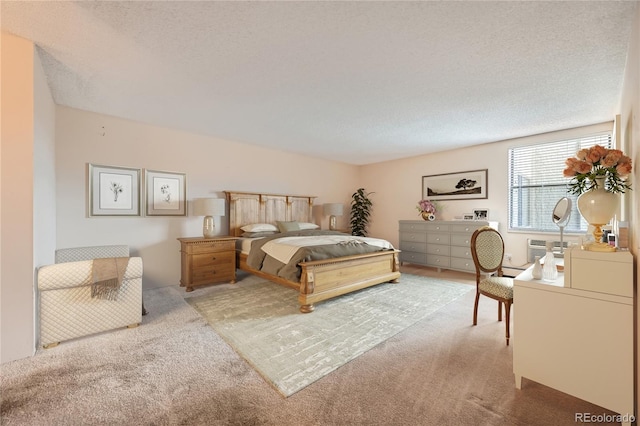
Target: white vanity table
x=576, y=334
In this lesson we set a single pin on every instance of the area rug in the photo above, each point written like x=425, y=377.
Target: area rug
x=291, y=350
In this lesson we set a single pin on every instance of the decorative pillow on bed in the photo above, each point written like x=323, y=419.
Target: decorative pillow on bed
x=259, y=227
x=288, y=226
x=258, y=234
x=307, y=225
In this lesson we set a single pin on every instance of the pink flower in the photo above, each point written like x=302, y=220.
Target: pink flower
x=612, y=158
x=624, y=169
x=582, y=154
x=426, y=206
x=582, y=167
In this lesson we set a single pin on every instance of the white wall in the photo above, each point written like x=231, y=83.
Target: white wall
x=44, y=177
x=398, y=187
x=211, y=165
x=630, y=135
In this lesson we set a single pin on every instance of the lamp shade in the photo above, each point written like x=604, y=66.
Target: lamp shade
x=209, y=207
x=333, y=209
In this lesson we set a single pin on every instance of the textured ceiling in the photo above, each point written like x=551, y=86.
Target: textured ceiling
x=358, y=82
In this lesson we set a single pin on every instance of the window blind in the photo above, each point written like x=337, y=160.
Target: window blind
x=536, y=183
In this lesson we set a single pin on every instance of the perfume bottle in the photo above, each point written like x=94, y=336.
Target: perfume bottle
x=549, y=270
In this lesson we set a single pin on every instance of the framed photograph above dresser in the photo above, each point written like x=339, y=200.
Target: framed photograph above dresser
x=468, y=185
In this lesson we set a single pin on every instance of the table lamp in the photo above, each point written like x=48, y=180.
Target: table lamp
x=332, y=210
x=208, y=207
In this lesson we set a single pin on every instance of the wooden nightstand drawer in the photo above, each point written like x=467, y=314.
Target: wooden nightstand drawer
x=213, y=246
x=218, y=273
x=211, y=259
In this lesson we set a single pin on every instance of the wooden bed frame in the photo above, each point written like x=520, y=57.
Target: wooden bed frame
x=320, y=279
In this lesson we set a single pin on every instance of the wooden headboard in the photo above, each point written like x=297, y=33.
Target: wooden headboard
x=248, y=207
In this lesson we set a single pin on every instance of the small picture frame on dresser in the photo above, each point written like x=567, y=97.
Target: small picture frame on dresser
x=481, y=214
x=467, y=216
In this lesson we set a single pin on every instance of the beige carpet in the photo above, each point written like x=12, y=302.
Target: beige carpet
x=291, y=350
x=176, y=370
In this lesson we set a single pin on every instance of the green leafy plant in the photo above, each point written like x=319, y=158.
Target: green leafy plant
x=361, y=207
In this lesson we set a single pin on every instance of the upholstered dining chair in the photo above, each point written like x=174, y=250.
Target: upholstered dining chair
x=487, y=250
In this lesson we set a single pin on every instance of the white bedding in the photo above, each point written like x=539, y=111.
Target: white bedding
x=244, y=244
x=284, y=248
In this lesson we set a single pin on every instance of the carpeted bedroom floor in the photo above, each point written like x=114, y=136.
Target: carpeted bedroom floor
x=175, y=370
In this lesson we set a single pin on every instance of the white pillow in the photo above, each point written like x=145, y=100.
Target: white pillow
x=306, y=225
x=259, y=227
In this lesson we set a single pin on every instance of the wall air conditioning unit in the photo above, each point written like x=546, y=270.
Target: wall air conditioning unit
x=539, y=248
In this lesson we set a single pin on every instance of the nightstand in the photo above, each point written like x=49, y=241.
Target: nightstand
x=207, y=261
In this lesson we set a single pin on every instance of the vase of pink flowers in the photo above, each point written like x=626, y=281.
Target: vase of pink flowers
x=427, y=209
x=598, y=175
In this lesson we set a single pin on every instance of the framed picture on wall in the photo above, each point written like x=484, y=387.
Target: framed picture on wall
x=455, y=186
x=165, y=193
x=113, y=191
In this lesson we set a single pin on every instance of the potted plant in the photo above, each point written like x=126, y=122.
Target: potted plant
x=360, y=211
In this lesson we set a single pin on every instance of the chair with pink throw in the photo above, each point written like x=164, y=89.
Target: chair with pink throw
x=89, y=290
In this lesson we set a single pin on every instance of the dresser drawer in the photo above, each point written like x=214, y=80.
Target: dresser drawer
x=438, y=249
x=463, y=264
x=438, y=261
x=469, y=229
x=463, y=252
x=212, y=259
x=413, y=236
x=412, y=257
x=438, y=239
x=413, y=246
x=435, y=227
x=413, y=226
x=461, y=240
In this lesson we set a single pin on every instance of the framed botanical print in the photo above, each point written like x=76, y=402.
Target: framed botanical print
x=113, y=191
x=165, y=193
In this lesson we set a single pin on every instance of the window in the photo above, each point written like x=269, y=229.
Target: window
x=536, y=183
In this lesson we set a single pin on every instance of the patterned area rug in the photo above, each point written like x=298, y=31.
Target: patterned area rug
x=291, y=350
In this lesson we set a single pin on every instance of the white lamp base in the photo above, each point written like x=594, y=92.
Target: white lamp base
x=332, y=222
x=208, y=227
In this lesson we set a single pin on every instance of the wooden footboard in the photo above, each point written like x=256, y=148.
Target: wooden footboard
x=324, y=279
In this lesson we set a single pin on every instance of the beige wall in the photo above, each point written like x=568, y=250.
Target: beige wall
x=398, y=187
x=211, y=165
x=16, y=194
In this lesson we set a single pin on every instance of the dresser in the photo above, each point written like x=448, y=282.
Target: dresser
x=207, y=261
x=442, y=244
x=575, y=334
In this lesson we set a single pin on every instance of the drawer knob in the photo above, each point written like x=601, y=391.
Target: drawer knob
x=213, y=258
